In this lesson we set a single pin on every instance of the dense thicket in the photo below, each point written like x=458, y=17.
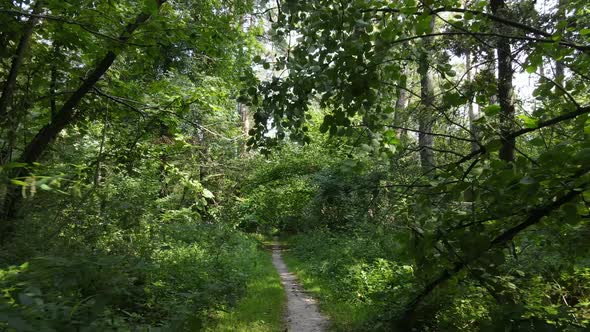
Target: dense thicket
x=427, y=161
x=117, y=123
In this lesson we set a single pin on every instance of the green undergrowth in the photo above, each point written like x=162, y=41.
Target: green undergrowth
x=262, y=307
x=350, y=277
x=177, y=281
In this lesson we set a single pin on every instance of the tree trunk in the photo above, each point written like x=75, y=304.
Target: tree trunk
x=400, y=106
x=53, y=83
x=39, y=144
x=425, y=140
x=99, y=158
x=559, y=66
x=491, y=68
x=470, y=110
x=164, y=141
x=505, y=89
x=245, y=116
x=17, y=61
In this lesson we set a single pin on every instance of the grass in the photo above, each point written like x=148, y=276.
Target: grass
x=262, y=308
x=344, y=316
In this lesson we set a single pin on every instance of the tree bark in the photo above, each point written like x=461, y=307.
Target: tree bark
x=53, y=83
x=245, y=117
x=164, y=141
x=17, y=61
x=559, y=65
x=505, y=88
x=470, y=111
x=425, y=140
x=39, y=144
x=400, y=106
x=491, y=69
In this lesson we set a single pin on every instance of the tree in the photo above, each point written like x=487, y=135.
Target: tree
x=64, y=117
x=350, y=55
x=425, y=139
x=505, y=88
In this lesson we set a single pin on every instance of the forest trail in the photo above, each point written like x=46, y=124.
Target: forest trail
x=303, y=314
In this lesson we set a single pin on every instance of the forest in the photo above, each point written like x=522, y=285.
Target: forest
x=194, y=165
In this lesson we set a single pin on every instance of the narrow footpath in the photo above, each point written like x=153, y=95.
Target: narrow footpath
x=302, y=314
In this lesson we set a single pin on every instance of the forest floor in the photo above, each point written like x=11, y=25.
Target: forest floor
x=303, y=314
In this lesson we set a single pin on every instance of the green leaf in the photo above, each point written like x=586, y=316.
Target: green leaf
x=14, y=164
x=207, y=193
x=19, y=182
x=529, y=122
x=390, y=137
x=492, y=110
x=537, y=141
x=45, y=187
x=453, y=99
x=324, y=127
x=531, y=69
x=422, y=26
x=151, y=7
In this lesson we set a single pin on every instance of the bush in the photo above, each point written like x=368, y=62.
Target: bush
x=199, y=269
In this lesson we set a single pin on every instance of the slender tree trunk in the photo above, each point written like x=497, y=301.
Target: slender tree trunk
x=425, y=120
x=164, y=141
x=246, y=125
x=559, y=66
x=491, y=68
x=39, y=144
x=53, y=83
x=400, y=106
x=470, y=111
x=17, y=61
x=505, y=89
x=99, y=158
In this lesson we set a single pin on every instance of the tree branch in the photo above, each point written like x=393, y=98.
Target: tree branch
x=534, y=216
x=432, y=134
x=521, y=26
x=84, y=26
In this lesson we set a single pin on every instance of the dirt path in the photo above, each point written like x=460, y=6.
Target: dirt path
x=302, y=314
